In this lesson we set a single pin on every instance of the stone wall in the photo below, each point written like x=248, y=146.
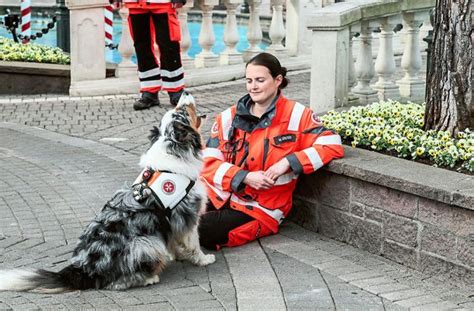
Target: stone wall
x=370, y=209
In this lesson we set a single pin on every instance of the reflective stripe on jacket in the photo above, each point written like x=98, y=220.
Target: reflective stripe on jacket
x=241, y=143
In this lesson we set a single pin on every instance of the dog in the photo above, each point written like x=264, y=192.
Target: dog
x=144, y=226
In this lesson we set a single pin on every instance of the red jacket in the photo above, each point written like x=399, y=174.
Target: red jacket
x=287, y=129
x=155, y=6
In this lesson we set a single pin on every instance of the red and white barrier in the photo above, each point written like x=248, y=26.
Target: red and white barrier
x=26, y=17
x=109, y=24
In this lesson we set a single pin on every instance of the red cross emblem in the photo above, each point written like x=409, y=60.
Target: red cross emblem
x=316, y=119
x=168, y=187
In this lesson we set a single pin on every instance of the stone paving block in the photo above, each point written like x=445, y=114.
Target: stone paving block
x=371, y=282
x=345, y=270
x=386, y=288
x=362, y=275
x=163, y=306
x=338, y=263
x=435, y=306
x=403, y=294
x=417, y=301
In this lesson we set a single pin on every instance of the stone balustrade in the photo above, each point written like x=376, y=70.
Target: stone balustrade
x=88, y=60
x=336, y=81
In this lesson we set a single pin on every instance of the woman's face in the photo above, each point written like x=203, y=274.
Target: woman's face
x=261, y=86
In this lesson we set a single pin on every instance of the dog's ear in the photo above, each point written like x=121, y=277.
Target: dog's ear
x=154, y=134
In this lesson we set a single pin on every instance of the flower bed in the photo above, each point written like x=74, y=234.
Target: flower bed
x=396, y=128
x=12, y=51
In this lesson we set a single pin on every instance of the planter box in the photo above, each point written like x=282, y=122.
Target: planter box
x=411, y=213
x=24, y=78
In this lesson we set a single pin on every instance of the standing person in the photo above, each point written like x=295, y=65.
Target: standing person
x=255, y=153
x=153, y=21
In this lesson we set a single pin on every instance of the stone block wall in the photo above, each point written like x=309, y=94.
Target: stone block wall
x=427, y=235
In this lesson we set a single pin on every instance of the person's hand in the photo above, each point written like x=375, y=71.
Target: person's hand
x=258, y=181
x=277, y=169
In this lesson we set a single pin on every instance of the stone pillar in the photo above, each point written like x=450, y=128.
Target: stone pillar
x=365, y=67
x=385, y=62
x=298, y=37
x=277, y=29
x=412, y=88
x=254, y=32
x=329, y=69
x=126, y=67
x=185, y=43
x=231, y=35
x=87, y=39
x=206, y=37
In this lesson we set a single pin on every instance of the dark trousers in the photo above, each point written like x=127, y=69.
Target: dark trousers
x=215, y=225
x=167, y=36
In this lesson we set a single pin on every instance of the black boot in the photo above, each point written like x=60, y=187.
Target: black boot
x=146, y=101
x=175, y=96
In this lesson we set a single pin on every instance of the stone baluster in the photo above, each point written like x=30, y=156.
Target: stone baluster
x=206, y=37
x=254, y=32
x=277, y=29
x=351, y=98
x=126, y=67
x=231, y=35
x=385, y=62
x=365, y=67
x=412, y=88
x=185, y=42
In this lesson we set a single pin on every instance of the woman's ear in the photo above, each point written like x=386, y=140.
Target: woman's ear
x=279, y=79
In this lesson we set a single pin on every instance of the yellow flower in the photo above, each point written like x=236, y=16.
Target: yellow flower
x=420, y=151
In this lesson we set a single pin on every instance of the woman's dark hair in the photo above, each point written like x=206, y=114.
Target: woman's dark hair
x=273, y=64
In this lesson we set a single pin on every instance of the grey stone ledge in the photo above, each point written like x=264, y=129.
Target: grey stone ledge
x=343, y=14
x=408, y=176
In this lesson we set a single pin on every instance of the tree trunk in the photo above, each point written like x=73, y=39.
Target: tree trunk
x=449, y=79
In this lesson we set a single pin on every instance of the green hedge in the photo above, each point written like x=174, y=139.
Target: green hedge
x=396, y=128
x=31, y=52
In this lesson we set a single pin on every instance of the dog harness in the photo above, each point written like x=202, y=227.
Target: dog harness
x=168, y=188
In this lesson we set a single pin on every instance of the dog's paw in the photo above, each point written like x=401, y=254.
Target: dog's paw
x=152, y=280
x=206, y=260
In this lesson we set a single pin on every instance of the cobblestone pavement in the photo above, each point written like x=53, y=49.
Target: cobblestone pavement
x=61, y=158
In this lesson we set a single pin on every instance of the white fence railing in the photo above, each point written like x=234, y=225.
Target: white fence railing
x=336, y=81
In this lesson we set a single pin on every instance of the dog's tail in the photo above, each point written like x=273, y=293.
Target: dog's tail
x=43, y=281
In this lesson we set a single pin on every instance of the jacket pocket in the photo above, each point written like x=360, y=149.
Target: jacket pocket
x=174, y=27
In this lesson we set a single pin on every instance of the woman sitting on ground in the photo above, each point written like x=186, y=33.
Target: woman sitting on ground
x=255, y=153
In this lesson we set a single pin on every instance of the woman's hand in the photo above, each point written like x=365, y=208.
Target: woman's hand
x=258, y=180
x=277, y=169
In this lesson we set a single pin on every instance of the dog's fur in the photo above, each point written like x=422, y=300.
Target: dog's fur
x=129, y=243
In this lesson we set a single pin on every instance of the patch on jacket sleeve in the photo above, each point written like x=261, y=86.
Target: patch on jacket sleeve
x=277, y=140
x=214, y=128
x=316, y=119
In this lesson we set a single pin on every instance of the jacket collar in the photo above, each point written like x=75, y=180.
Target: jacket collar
x=246, y=121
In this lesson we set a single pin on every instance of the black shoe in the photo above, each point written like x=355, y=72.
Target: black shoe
x=146, y=101
x=175, y=96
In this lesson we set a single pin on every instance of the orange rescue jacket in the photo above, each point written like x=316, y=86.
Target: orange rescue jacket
x=241, y=143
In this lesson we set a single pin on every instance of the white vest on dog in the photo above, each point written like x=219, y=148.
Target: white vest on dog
x=170, y=188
